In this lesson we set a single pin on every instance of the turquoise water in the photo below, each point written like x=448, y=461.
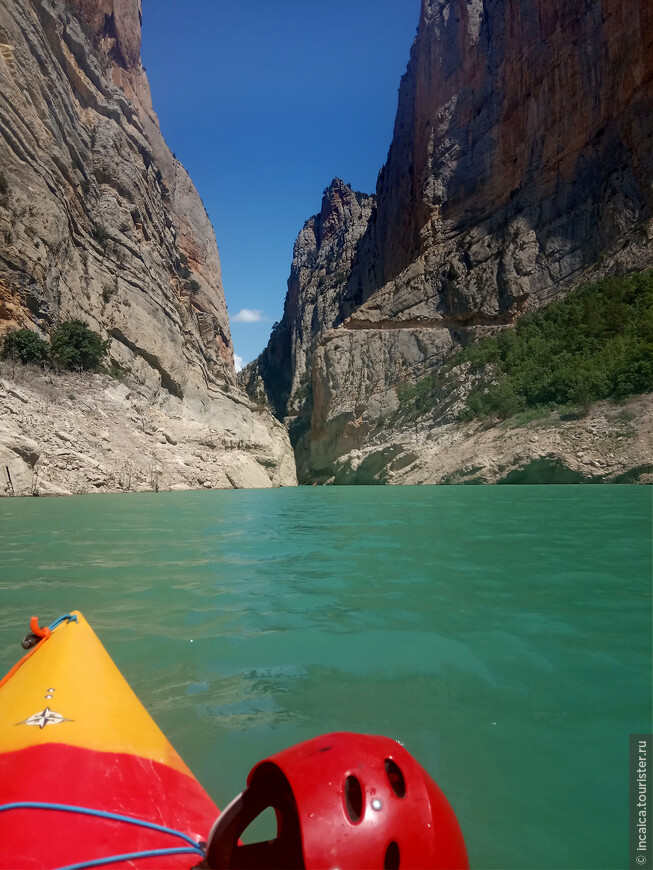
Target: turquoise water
x=503, y=634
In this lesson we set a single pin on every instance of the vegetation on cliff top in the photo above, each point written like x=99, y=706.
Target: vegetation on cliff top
x=595, y=344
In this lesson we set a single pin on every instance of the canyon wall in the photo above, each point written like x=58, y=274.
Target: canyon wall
x=317, y=299
x=99, y=221
x=521, y=164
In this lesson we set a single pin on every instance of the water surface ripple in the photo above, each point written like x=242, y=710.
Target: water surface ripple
x=503, y=634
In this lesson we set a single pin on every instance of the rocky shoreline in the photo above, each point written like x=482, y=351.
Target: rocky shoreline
x=612, y=443
x=100, y=223
x=72, y=434
x=503, y=190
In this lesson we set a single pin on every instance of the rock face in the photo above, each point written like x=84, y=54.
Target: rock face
x=318, y=299
x=98, y=220
x=522, y=150
x=521, y=163
x=72, y=433
x=611, y=443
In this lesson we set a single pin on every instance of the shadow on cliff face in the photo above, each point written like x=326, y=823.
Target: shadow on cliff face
x=547, y=471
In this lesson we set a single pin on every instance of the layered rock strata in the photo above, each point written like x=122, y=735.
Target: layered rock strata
x=317, y=299
x=610, y=443
x=98, y=219
x=521, y=163
x=76, y=433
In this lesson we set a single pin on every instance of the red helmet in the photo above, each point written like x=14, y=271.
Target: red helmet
x=346, y=801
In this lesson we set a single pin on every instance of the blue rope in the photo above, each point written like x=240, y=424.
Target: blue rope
x=115, y=817
x=154, y=853
x=67, y=618
x=194, y=849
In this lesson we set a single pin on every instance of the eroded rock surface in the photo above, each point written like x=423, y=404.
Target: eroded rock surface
x=318, y=298
x=98, y=220
x=521, y=164
x=72, y=434
x=612, y=444
x=323, y=256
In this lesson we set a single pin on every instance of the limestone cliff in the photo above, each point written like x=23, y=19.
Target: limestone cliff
x=98, y=219
x=317, y=299
x=70, y=433
x=521, y=163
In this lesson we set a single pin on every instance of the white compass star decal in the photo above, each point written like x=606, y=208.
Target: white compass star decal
x=45, y=717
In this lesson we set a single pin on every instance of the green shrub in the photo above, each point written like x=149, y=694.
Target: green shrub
x=193, y=286
x=27, y=346
x=75, y=346
x=595, y=344
x=500, y=400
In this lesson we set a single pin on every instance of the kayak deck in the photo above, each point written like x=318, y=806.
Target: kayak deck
x=74, y=735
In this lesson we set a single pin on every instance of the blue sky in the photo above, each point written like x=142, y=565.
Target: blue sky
x=265, y=102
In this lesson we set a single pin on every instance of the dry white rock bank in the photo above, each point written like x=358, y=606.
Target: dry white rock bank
x=612, y=443
x=63, y=434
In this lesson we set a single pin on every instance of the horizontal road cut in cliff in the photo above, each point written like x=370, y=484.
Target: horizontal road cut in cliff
x=521, y=165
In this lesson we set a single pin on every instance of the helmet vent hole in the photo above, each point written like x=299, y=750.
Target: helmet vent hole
x=353, y=799
x=392, y=857
x=395, y=778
